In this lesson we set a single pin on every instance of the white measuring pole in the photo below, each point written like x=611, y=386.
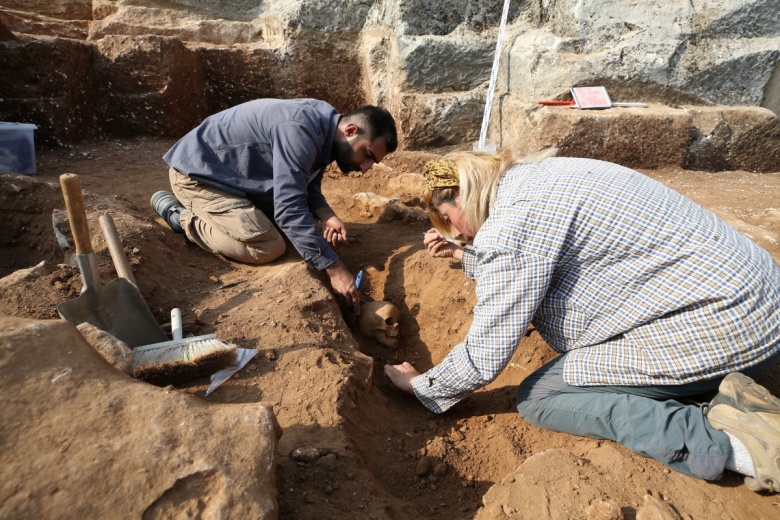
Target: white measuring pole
x=493, y=77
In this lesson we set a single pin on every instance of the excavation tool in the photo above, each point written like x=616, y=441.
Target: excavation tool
x=181, y=359
x=114, y=244
x=117, y=308
x=350, y=317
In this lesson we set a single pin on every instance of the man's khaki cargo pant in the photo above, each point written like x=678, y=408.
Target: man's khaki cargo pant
x=225, y=224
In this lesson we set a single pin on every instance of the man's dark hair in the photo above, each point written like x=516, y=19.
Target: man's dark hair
x=377, y=122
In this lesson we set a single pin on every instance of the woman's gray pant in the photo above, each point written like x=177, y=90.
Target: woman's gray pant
x=645, y=419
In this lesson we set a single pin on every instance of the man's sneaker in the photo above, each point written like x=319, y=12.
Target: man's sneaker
x=750, y=413
x=166, y=205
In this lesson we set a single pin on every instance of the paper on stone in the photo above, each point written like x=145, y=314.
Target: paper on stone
x=244, y=355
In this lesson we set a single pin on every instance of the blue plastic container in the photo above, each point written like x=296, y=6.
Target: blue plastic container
x=17, y=148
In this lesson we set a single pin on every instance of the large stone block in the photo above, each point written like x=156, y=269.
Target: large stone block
x=725, y=19
x=140, y=21
x=442, y=17
x=65, y=9
x=83, y=440
x=733, y=138
x=324, y=15
x=444, y=65
x=635, y=137
x=728, y=74
x=439, y=120
x=664, y=53
x=23, y=22
x=378, y=65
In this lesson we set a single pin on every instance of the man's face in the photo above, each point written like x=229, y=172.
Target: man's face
x=358, y=154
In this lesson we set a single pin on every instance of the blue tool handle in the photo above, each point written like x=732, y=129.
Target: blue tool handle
x=358, y=279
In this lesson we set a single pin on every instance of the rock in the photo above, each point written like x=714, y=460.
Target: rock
x=654, y=509
x=609, y=135
x=370, y=201
x=431, y=120
x=306, y=455
x=603, y=510
x=440, y=469
x=113, y=350
x=23, y=275
x=85, y=439
x=733, y=138
x=457, y=436
x=433, y=64
x=423, y=466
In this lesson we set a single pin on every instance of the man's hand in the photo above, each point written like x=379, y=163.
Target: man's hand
x=401, y=376
x=343, y=283
x=334, y=230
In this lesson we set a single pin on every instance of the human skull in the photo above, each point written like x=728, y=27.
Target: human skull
x=380, y=320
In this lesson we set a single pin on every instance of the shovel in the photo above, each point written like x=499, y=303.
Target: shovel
x=118, y=308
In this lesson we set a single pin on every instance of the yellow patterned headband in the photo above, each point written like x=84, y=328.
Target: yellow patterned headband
x=441, y=174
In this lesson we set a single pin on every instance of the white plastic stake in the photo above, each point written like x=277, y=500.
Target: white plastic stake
x=493, y=78
x=177, y=331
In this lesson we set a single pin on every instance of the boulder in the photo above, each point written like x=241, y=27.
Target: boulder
x=84, y=440
x=636, y=137
x=733, y=138
x=431, y=120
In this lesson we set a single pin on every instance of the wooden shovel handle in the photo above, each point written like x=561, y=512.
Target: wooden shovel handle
x=114, y=243
x=74, y=203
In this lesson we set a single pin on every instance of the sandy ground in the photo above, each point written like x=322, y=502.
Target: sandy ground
x=381, y=453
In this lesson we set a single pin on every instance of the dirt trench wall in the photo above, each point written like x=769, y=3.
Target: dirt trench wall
x=91, y=68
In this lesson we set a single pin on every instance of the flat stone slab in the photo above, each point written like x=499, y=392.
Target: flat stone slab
x=711, y=138
x=81, y=439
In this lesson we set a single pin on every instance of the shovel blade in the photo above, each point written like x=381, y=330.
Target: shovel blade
x=117, y=308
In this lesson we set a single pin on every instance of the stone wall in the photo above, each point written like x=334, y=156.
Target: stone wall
x=90, y=68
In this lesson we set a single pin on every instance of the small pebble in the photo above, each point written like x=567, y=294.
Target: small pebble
x=213, y=279
x=457, y=436
x=305, y=454
x=423, y=467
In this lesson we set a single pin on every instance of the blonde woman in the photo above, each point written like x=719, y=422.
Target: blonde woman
x=648, y=297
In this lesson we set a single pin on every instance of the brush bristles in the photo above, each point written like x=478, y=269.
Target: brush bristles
x=182, y=360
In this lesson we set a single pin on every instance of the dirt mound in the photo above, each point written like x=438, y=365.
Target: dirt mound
x=352, y=446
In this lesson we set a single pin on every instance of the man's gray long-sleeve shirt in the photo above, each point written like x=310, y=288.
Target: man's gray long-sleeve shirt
x=268, y=149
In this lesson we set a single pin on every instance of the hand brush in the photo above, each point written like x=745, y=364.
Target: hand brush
x=181, y=360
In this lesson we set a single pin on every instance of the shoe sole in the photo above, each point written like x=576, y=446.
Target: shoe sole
x=752, y=414
x=154, y=202
x=162, y=210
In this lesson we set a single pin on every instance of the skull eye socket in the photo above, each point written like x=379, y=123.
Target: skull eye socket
x=389, y=321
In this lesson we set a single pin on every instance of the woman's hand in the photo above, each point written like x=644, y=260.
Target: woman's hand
x=401, y=376
x=439, y=247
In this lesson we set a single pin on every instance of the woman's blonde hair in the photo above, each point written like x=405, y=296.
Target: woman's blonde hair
x=475, y=176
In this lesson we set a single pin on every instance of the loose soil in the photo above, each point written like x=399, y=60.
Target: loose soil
x=381, y=453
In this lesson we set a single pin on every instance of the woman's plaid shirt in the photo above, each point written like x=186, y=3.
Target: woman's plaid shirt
x=640, y=285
